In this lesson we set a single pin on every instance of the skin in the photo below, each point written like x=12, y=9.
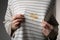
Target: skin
x=46, y=28
x=17, y=20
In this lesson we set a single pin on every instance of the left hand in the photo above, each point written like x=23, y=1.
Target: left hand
x=46, y=28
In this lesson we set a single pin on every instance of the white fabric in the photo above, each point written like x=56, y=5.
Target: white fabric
x=27, y=6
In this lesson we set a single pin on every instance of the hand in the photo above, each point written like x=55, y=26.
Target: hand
x=17, y=20
x=46, y=28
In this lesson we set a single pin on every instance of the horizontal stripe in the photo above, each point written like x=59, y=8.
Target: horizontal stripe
x=32, y=29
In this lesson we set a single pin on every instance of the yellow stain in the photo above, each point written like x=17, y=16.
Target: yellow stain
x=34, y=16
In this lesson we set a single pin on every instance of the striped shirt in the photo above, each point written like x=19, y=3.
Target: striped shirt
x=34, y=12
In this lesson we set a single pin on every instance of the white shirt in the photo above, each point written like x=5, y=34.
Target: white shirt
x=15, y=7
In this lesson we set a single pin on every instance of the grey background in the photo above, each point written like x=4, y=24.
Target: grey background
x=3, y=34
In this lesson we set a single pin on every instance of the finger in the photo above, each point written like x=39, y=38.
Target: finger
x=15, y=26
x=43, y=24
x=14, y=18
x=18, y=17
x=45, y=32
x=17, y=20
x=16, y=23
x=47, y=25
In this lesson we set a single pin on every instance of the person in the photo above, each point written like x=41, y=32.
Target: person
x=13, y=22
x=51, y=28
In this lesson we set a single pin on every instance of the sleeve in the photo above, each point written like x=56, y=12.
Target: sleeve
x=8, y=20
x=53, y=34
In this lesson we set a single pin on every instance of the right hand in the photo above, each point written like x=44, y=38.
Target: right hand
x=16, y=21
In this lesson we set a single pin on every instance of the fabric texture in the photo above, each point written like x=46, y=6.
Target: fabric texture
x=31, y=31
